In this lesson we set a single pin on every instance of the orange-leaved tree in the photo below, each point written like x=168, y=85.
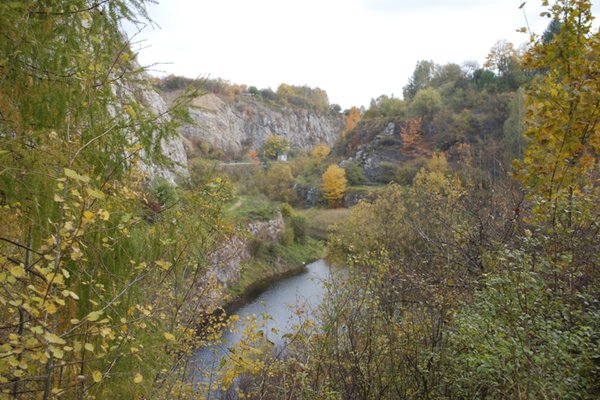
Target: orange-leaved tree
x=352, y=118
x=410, y=133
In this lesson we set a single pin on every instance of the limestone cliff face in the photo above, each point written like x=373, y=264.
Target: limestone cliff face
x=173, y=148
x=246, y=122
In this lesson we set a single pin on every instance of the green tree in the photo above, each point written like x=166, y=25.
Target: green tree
x=426, y=103
x=420, y=79
x=278, y=182
x=513, y=128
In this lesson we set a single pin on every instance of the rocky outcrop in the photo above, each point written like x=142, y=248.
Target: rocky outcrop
x=310, y=196
x=225, y=264
x=246, y=122
x=172, y=148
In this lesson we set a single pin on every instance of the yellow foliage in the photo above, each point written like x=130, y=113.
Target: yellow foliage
x=334, y=185
x=320, y=151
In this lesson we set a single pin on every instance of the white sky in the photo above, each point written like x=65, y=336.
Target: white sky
x=354, y=49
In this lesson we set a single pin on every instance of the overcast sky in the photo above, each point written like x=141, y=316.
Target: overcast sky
x=354, y=49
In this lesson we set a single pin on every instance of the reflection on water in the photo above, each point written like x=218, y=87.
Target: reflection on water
x=288, y=302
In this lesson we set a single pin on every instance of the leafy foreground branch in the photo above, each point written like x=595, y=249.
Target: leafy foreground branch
x=99, y=276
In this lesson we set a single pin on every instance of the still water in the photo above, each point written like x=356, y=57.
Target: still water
x=288, y=302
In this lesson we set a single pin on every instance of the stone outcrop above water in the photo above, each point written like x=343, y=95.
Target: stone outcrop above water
x=225, y=264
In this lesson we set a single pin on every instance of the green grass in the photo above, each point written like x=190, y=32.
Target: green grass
x=320, y=220
x=252, y=208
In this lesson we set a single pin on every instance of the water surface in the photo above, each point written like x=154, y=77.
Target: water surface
x=288, y=302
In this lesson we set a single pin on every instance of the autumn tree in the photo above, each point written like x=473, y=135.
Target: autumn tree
x=505, y=61
x=334, y=185
x=410, y=133
x=563, y=115
x=386, y=106
x=351, y=120
x=273, y=146
x=304, y=96
x=320, y=151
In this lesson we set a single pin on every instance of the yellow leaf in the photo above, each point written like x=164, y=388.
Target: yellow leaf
x=169, y=336
x=76, y=254
x=95, y=193
x=89, y=347
x=164, y=265
x=58, y=353
x=37, y=329
x=58, y=198
x=94, y=316
x=88, y=216
x=138, y=378
x=17, y=271
x=54, y=339
x=51, y=308
x=69, y=173
x=103, y=215
x=97, y=376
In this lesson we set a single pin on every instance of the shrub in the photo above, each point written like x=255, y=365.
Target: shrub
x=354, y=173
x=287, y=238
x=278, y=183
x=386, y=172
x=299, y=226
x=164, y=192
x=286, y=210
x=406, y=172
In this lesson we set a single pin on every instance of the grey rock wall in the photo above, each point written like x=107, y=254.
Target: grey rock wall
x=247, y=122
x=173, y=148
